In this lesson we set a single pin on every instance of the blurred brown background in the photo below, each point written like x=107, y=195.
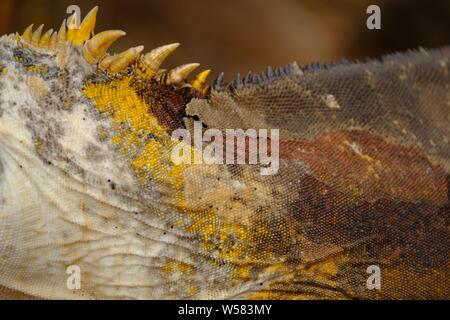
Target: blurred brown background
x=241, y=35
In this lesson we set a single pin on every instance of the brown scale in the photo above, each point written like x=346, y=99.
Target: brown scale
x=166, y=101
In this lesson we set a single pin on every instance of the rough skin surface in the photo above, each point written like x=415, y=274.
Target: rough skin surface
x=86, y=179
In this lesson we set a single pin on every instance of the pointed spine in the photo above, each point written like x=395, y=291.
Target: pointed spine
x=27, y=34
x=219, y=81
x=62, y=34
x=36, y=37
x=199, y=83
x=53, y=40
x=124, y=59
x=86, y=29
x=45, y=40
x=154, y=59
x=95, y=49
x=73, y=28
x=179, y=74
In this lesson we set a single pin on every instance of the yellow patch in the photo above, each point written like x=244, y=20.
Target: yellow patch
x=233, y=242
x=37, y=69
x=132, y=120
x=38, y=143
x=178, y=267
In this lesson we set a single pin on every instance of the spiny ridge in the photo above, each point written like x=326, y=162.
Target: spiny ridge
x=95, y=50
x=256, y=79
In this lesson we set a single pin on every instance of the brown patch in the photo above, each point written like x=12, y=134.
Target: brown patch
x=166, y=101
x=347, y=219
x=369, y=168
x=10, y=294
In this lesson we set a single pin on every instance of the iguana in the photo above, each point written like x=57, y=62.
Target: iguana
x=87, y=178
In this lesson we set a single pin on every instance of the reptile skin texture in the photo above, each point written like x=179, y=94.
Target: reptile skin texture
x=87, y=180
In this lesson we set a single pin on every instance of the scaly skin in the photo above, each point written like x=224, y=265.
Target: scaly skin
x=86, y=179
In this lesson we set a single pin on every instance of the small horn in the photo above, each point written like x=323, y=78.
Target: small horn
x=73, y=28
x=53, y=40
x=45, y=40
x=62, y=33
x=124, y=59
x=95, y=48
x=153, y=59
x=86, y=28
x=28, y=33
x=200, y=80
x=36, y=37
x=180, y=74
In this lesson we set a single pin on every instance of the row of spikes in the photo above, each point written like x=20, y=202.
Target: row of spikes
x=255, y=79
x=95, y=50
x=52, y=39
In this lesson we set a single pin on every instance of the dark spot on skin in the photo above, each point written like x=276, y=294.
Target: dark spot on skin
x=152, y=136
x=27, y=57
x=23, y=57
x=52, y=73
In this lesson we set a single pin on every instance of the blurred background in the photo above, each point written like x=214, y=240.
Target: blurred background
x=241, y=35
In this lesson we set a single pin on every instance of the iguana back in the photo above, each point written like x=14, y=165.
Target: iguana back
x=87, y=177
